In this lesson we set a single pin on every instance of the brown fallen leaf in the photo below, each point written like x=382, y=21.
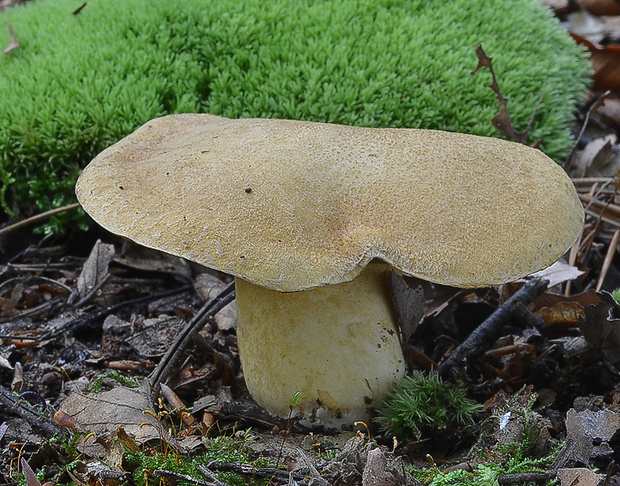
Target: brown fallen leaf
x=609, y=111
x=599, y=158
x=29, y=475
x=601, y=328
x=126, y=440
x=588, y=437
x=562, y=315
x=579, y=475
x=606, y=63
x=176, y=403
x=13, y=43
x=107, y=411
x=209, y=286
x=600, y=7
x=95, y=270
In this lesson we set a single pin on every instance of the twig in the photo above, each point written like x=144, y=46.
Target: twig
x=248, y=469
x=29, y=414
x=160, y=473
x=207, y=473
x=488, y=332
x=92, y=292
x=527, y=477
x=611, y=251
x=176, y=350
x=37, y=218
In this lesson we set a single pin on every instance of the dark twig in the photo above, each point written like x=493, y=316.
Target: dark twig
x=176, y=350
x=527, y=478
x=34, y=418
x=207, y=473
x=264, y=472
x=488, y=332
x=161, y=473
x=92, y=292
x=37, y=218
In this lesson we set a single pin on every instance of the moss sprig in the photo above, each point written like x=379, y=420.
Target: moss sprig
x=423, y=404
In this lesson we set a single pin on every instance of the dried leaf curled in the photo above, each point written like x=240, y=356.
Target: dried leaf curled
x=13, y=43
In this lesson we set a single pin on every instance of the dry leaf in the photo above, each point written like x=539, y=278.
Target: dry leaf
x=126, y=440
x=558, y=273
x=153, y=337
x=600, y=7
x=95, y=270
x=601, y=328
x=375, y=473
x=209, y=286
x=606, y=63
x=562, y=315
x=609, y=111
x=140, y=258
x=107, y=411
x=599, y=158
x=408, y=304
x=587, y=436
x=13, y=43
x=578, y=476
x=592, y=27
x=29, y=475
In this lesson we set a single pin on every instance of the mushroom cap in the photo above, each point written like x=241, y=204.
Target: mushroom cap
x=292, y=205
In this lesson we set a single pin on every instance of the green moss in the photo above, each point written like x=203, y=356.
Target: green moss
x=422, y=405
x=221, y=449
x=97, y=383
x=511, y=458
x=78, y=83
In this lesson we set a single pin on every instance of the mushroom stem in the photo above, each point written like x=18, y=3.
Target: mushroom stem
x=338, y=345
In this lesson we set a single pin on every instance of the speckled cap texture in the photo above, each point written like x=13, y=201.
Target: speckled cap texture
x=292, y=205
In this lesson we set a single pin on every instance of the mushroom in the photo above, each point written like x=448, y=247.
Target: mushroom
x=310, y=218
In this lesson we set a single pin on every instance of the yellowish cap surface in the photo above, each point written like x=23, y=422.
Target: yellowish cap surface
x=292, y=205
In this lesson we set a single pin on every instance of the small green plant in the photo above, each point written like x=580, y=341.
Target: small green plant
x=616, y=295
x=424, y=404
x=96, y=384
x=491, y=462
x=223, y=449
x=511, y=458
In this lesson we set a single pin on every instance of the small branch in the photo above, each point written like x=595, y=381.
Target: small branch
x=248, y=469
x=490, y=330
x=34, y=418
x=527, y=477
x=177, y=349
x=207, y=473
x=37, y=218
x=611, y=251
x=163, y=473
